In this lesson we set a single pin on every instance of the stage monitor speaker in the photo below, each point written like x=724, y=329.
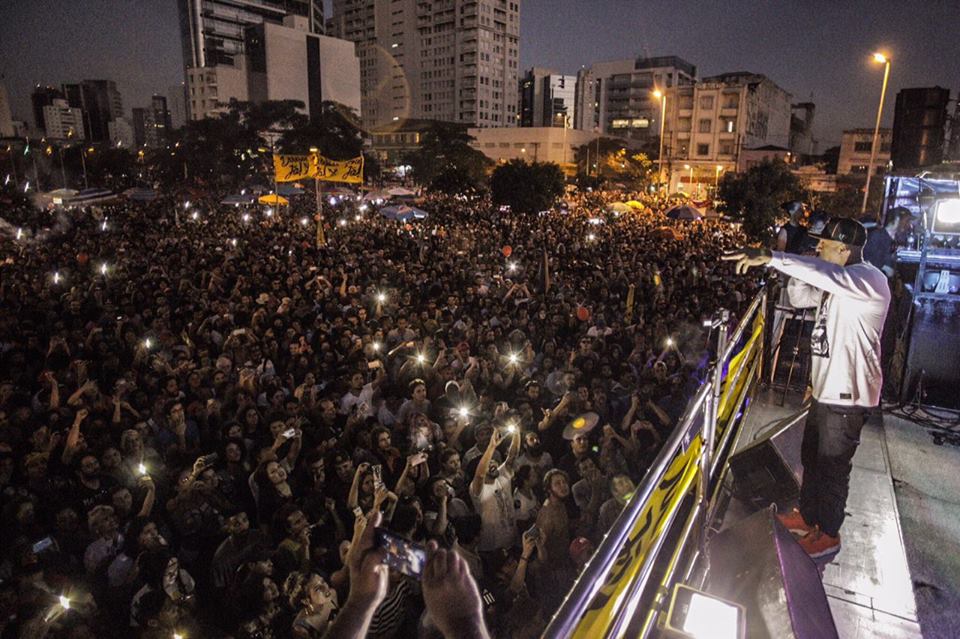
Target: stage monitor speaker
x=768, y=470
x=758, y=564
x=932, y=371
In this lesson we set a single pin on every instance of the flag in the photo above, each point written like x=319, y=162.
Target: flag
x=327, y=170
x=290, y=168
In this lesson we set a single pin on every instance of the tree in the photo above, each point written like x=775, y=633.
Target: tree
x=616, y=161
x=527, y=187
x=335, y=131
x=445, y=160
x=754, y=197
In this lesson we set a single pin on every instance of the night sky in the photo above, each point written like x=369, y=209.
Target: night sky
x=816, y=49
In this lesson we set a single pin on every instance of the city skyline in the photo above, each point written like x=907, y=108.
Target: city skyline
x=818, y=52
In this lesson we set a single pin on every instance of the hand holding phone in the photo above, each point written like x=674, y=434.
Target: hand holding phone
x=404, y=556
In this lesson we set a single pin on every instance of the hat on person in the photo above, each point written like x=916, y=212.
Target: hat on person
x=842, y=229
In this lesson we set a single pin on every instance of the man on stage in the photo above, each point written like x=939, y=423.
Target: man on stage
x=852, y=297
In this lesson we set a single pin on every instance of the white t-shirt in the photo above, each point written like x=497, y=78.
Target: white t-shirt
x=852, y=304
x=495, y=507
x=349, y=400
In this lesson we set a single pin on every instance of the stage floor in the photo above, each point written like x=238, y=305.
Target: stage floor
x=868, y=583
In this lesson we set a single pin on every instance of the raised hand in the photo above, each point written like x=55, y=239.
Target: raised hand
x=746, y=257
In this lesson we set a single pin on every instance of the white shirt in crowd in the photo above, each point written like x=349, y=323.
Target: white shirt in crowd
x=852, y=304
x=495, y=507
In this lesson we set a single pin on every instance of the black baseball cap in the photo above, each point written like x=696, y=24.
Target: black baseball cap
x=841, y=229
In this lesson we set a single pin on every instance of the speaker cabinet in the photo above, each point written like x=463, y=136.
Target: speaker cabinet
x=757, y=564
x=768, y=470
x=932, y=370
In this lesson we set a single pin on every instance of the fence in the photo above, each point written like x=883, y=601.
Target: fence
x=617, y=594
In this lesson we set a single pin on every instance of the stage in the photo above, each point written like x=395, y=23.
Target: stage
x=869, y=584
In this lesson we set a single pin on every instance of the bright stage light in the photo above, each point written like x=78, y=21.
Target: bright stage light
x=698, y=615
x=947, y=216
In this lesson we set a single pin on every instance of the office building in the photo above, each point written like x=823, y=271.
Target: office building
x=212, y=35
x=547, y=99
x=802, y=142
x=6, y=117
x=100, y=102
x=919, y=127
x=151, y=124
x=711, y=123
x=63, y=121
x=855, y=148
x=43, y=96
x=286, y=62
x=616, y=97
x=177, y=103
x=121, y=133
x=454, y=61
x=531, y=144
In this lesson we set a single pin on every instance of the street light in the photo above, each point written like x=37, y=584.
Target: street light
x=716, y=183
x=690, y=168
x=660, y=95
x=885, y=61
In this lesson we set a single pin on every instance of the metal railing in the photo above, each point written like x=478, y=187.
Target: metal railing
x=606, y=597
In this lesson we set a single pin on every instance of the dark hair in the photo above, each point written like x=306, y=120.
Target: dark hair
x=522, y=475
x=553, y=472
x=152, y=564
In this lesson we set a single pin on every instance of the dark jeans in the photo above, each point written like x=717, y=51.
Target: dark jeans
x=830, y=438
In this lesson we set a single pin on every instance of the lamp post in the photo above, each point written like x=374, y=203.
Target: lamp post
x=660, y=95
x=716, y=181
x=690, y=168
x=885, y=61
x=83, y=162
x=321, y=239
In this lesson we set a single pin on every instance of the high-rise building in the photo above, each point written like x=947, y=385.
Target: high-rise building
x=286, y=62
x=450, y=60
x=616, y=97
x=151, y=124
x=100, y=102
x=43, y=96
x=919, y=127
x=63, y=121
x=547, y=99
x=6, y=118
x=212, y=34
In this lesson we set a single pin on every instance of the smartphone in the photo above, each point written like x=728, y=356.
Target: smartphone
x=47, y=543
x=375, y=364
x=357, y=511
x=211, y=459
x=533, y=531
x=404, y=556
x=290, y=433
x=377, y=475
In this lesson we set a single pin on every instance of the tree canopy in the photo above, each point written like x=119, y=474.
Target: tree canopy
x=445, y=161
x=527, y=187
x=754, y=197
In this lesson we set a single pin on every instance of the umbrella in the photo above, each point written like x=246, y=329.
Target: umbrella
x=141, y=195
x=633, y=204
x=399, y=191
x=619, y=207
x=238, y=198
x=402, y=213
x=289, y=189
x=273, y=199
x=684, y=212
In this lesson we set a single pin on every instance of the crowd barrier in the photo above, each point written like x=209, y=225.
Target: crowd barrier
x=660, y=533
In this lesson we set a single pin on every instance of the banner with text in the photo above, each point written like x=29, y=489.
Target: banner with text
x=327, y=170
x=290, y=168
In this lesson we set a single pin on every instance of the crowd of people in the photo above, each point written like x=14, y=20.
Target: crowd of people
x=203, y=415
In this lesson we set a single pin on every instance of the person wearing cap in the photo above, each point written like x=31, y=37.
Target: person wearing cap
x=852, y=297
x=879, y=248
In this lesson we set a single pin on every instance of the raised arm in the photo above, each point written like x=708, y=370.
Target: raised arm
x=477, y=484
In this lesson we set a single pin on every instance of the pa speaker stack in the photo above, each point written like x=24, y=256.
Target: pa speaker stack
x=768, y=470
x=759, y=565
x=932, y=371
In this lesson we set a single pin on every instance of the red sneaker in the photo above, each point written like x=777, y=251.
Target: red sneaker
x=795, y=523
x=819, y=544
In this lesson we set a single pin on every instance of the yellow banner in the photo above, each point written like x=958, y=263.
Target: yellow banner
x=290, y=168
x=730, y=395
x=326, y=170
x=649, y=525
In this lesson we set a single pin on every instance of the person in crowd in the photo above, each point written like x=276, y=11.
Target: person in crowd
x=202, y=396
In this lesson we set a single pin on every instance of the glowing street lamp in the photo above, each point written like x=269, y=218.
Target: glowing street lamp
x=885, y=61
